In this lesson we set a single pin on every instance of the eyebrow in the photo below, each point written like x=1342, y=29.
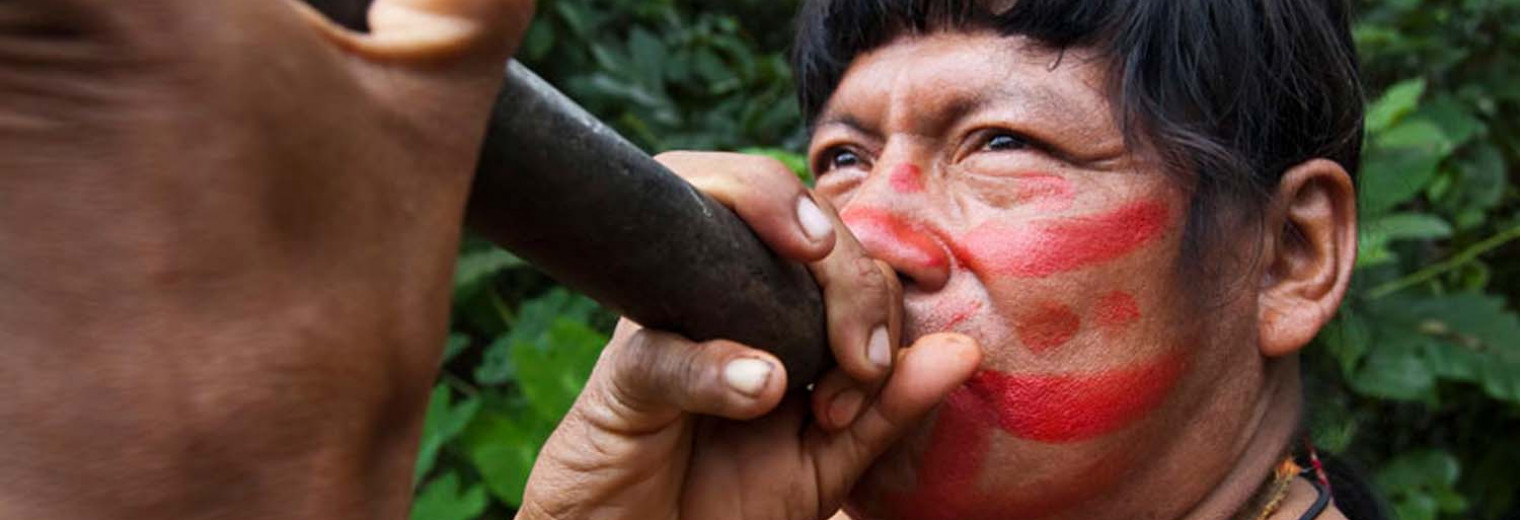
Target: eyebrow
x=846, y=120
x=1042, y=103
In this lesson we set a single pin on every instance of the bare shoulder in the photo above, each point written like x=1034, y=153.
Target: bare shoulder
x=840, y=516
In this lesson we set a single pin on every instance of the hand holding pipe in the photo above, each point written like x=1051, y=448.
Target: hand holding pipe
x=569, y=195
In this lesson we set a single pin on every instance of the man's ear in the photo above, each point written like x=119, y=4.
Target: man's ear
x=1311, y=250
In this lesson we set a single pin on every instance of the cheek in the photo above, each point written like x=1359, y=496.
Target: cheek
x=1051, y=408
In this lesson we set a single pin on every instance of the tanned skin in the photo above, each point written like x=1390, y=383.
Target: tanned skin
x=228, y=228
x=988, y=172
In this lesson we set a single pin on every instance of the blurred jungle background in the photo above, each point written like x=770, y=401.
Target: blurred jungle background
x=1418, y=380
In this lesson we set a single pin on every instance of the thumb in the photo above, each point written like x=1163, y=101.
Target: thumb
x=925, y=375
x=443, y=31
x=647, y=378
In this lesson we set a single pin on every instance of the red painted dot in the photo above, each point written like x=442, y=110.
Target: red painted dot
x=1117, y=309
x=1050, y=325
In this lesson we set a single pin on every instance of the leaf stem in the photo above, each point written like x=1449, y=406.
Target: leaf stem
x=464, y=387
x=1444, y=266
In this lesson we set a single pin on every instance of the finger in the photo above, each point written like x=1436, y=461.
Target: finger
x=837, y=400
x=484, y=31
x=770, y=199
x=864, y=301
x=926, y=373
x=650, y=376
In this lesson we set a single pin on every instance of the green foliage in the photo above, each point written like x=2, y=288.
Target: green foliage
x=1419, y=375
x=1418, y=378
x=668, y=75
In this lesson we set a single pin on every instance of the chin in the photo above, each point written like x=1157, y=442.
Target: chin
x=993, y=475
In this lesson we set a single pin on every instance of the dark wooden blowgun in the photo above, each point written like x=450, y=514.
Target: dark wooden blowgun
x=568, y=194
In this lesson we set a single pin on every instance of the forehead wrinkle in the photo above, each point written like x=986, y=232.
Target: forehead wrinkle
x=922, y=93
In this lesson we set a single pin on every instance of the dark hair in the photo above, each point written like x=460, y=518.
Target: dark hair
x=1228, y=92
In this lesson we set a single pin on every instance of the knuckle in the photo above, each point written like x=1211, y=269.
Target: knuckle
x=869, y=279
x=688, y=370
x=629, y=384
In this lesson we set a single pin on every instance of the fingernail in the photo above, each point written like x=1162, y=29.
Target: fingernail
x=814, y=223
x=747, y=375
x=877, y=348
x=844, y=408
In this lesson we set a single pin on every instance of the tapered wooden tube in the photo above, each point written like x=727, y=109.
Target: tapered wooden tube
x=572, y=197
x=565, y=192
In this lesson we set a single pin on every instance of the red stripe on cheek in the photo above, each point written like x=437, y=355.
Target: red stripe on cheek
x=1043, y=248
x=885, y=235
x=1068, y=408
x=1050, y=325
x=906, y=179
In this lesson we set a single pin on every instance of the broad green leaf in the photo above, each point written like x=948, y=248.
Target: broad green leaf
x=496, y=365
x=1402, y=377
x=1410, y=226
x=442, y=499
x=1465, y=337
x=552, y=369
x=575, y=17
x=625, y=91
x=1455, y=119
x=475, y=268
x=1417, y=133
x=1421, y=484
x=503, y=447
x=539, y=40
x=534, y=319
x=1483, y=179
x=443, y=421
x=1419, y=470
x=1347, y=339
x=648, y=54
x=453, y=346
x=1400, y=166
x=1396, y=102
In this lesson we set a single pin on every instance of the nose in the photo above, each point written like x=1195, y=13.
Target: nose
x=889, y=222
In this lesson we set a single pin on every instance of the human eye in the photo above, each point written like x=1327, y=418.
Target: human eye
x=1005, y=141
x=838, y=158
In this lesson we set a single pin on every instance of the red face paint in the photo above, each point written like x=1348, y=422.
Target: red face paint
x=1050, y=325
x=886, y=236
x=905, y=179
x=1043, y=248
x=949, y=312
x=1075, y=407
x=1117, y=309
x=948, y=470
x=1044, y=192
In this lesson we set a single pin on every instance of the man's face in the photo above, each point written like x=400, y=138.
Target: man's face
x=991, y=173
